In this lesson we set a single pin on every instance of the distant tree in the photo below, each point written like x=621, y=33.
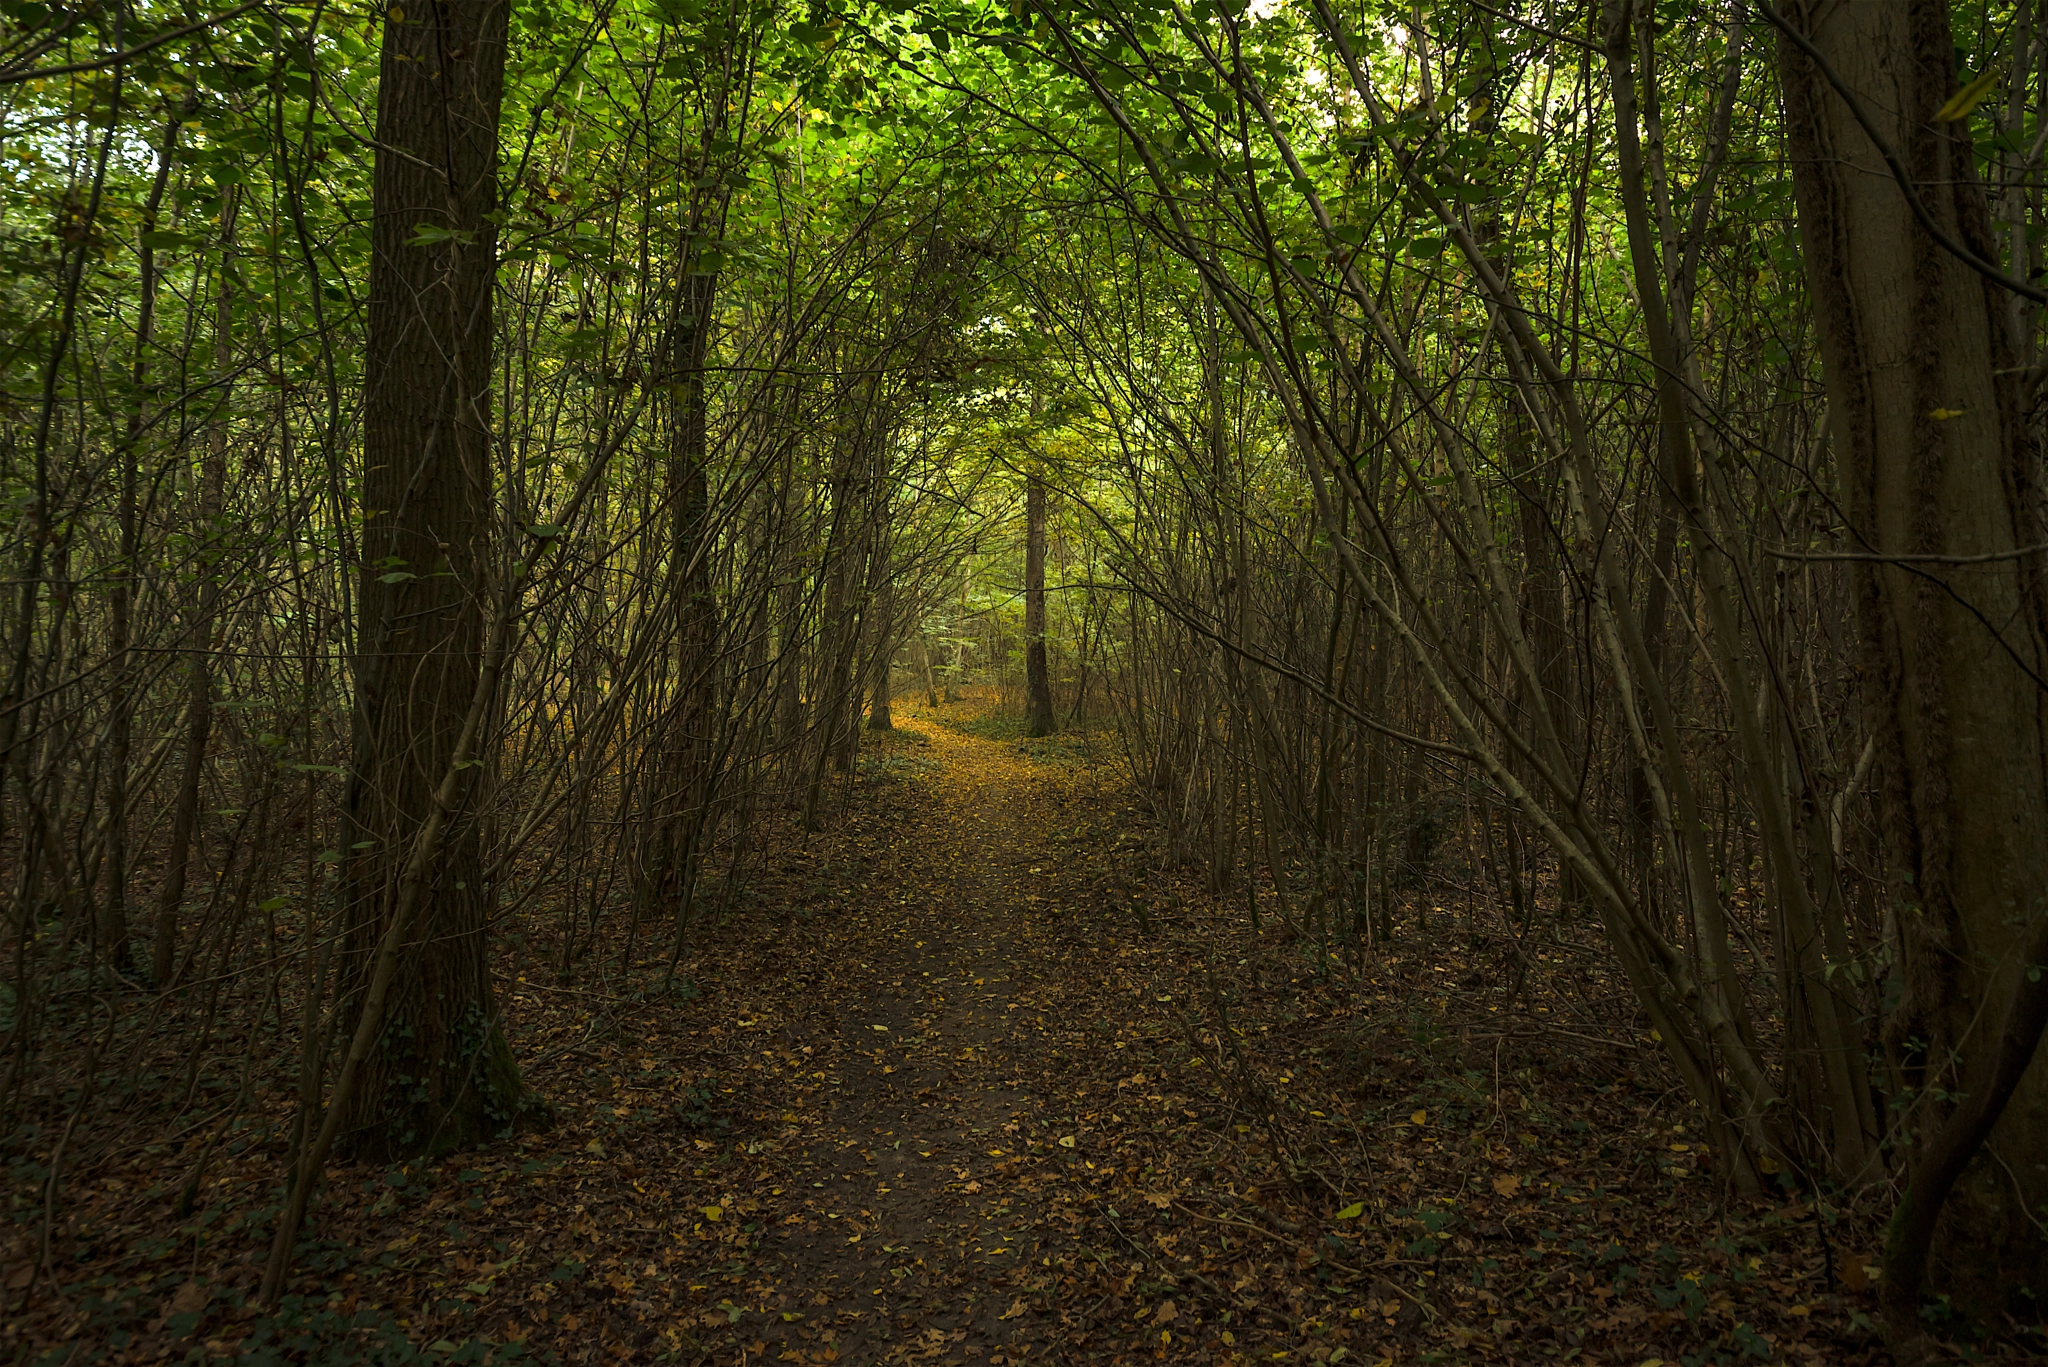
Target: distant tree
x=1039, y=718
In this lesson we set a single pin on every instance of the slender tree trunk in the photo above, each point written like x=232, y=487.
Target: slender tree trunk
x=680, y=789
x=839, y=631
x=885, y=654
x=1038, y=711
x=443, y=1076
x=114, y=912
x=198, y=664
x=1936, y=458
x=924, y=670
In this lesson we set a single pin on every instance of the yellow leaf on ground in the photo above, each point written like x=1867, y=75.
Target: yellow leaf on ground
x=1419, y=1118
x=713, y=1212
x=1016, y=1310
x=1350, y=1212
x=1507, y=1184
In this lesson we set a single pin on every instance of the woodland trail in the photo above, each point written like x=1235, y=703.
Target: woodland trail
x=991, y=1114
x=929, y=1243
x=952, y=1083
x=946, y=1022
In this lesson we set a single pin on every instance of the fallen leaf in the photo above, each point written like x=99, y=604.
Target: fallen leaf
x=1066, y=1141
x=714, y=1212
x=1419, y=1118
x=1350, y=1212
x=1507, y=1184
x=1167, y=1310
x=1015, y=1311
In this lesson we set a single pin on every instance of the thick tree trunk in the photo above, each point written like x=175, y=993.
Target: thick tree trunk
x=443, y=1076
x=1038, y=714
x=1936, y=459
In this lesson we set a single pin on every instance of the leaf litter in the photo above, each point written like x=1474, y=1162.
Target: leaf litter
x=976, y=1077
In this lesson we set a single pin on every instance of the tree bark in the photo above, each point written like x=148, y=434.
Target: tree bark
x=1936, y=458
x=442, y=1076
x=198, y=666
x=679, y=792
x=114, y=914
x=880, y=691
x=1038, y=713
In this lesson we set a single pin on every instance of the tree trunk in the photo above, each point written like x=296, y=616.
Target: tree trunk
x=114, y=914
x=163, y=955
x=679, y=792
x=1038, y=713
x=1936, y=459
x=885, y=656
x=924, y=670
x=839, y=627
x=443, y=1076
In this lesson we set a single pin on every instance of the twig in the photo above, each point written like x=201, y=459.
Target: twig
x=115, y=58
x=1885, y=558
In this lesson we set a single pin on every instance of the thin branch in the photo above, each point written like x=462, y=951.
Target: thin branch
x=17, y=76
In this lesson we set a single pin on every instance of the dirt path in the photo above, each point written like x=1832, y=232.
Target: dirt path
x=982, y=1078
x=978, y=1076
x=921, y=1229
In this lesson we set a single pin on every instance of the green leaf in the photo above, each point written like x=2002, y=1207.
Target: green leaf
x=433, y=235
x=1350, y=1212
x=1963, y=101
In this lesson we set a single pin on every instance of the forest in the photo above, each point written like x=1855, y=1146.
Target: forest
x=1012, y=681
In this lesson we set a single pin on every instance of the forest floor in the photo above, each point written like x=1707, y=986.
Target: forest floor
x=974, y=1078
